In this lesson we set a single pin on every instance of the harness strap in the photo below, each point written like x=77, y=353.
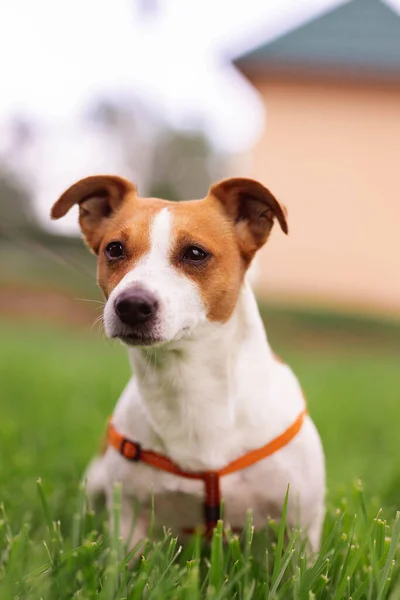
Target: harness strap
x=133, y=451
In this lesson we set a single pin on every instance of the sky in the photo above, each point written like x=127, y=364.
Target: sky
x=56, y=56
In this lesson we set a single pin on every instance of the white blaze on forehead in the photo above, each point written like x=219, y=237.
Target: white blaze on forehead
x=160, y=235
x=156, y=261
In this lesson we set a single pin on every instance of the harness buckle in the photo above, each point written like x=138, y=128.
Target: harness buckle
x=131, y=450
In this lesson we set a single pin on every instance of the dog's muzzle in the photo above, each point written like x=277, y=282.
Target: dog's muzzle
x=135, y=321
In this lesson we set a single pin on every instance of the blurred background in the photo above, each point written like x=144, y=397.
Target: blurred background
x=304, y=96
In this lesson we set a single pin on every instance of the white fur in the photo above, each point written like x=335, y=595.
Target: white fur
x=204, y=398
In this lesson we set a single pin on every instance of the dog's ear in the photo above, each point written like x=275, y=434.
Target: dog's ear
x=98, y=198
x=253, y=209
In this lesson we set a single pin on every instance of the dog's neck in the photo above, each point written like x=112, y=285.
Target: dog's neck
x=199, y=390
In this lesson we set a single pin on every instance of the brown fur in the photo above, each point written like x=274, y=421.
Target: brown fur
x=206, y=224
x=131, y=225
x=253, y=209
x=194, y=223
x=230, y=223
x=98, y=197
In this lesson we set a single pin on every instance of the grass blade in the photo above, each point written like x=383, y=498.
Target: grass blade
x=281, y=539
x=390, y=557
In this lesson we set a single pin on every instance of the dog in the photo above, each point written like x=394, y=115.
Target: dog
x=210, y=413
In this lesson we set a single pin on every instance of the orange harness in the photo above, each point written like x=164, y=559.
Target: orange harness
x=133, y=451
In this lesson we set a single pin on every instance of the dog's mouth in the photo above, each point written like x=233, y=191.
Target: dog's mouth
x=139, y=339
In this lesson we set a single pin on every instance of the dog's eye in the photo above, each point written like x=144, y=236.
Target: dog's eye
x=114, y=250
x=194, y=254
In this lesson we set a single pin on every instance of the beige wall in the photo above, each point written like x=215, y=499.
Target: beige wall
x=331, y=153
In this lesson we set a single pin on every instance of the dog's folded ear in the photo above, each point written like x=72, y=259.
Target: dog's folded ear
x=98, y=198
x=253, y=208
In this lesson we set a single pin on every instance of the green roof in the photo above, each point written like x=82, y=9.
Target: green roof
x=362, y=36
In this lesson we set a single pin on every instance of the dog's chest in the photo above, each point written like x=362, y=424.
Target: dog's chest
x=206, y=433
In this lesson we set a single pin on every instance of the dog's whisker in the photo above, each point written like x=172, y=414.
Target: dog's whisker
x=91, y=300
x=97, y=321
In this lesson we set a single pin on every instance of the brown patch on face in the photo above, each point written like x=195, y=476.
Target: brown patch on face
x=231, y=223
x=132, y=227
x=204, y=223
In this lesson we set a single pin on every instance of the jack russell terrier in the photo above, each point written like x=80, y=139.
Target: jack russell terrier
x=210, y=413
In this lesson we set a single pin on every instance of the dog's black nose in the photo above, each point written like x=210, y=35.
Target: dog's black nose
x=135, y=307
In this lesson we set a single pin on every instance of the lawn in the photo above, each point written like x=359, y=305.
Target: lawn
x=58, y=385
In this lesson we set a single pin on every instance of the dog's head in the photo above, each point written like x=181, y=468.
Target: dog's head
x=166, y=267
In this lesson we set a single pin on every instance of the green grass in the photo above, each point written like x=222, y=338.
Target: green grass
x=57, y=388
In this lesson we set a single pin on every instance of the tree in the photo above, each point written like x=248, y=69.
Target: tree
x=184, y=165
x=16, y=213
x=133, y=129
x=164, y=162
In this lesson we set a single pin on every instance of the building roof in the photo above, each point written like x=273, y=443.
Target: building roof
x=362, y=36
